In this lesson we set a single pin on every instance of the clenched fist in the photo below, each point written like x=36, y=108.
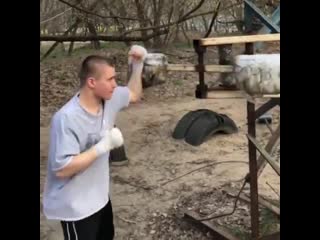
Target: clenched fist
x=137, y=55
x=111, y=139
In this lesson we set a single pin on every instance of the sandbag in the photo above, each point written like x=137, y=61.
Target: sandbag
x=154, y=70
x=258, y=74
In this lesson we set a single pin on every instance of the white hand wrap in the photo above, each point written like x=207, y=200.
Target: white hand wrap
x=111, y=139
x=137, y=55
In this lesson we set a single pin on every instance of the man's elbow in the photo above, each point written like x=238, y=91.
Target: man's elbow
x=134, y=98
x=62, y=174
x=68, y=170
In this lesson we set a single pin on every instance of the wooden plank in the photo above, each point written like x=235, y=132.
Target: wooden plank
x=220, y=94
x=240, y=39
x=193, y=68
x=266, y=155
x=225, y=94
x=220, y=233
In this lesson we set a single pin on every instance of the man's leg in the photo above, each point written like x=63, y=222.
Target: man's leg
x=85, y=229
x=106, y=228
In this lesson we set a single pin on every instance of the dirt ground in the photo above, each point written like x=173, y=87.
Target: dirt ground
x=144, y=208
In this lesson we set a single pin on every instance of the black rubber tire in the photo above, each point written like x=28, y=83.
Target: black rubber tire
x=186, y=121
x=207, y=124
x=228, y=126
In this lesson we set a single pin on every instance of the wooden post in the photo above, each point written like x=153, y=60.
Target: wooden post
x=202, y=88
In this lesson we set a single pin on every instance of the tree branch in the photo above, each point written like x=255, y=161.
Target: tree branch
x=214, y=16
x=49, y=19
x=95, y=14
x=182, y=19
x=193, y=10
x=98, y=38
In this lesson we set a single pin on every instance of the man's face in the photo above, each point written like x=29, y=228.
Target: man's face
x=104, y=83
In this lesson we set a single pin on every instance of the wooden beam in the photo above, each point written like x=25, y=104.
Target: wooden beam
x=240, y=39
x=194, y=68
x=265, y=154
x=225, y=94
x=216, y=94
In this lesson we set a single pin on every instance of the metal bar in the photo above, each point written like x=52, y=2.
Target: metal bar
x=253, y=168
x=266, y=155
x=275, y=19
x=248, y=17
x=219, y=232
x=252, y=8
x=267, y=106
x=253, y=173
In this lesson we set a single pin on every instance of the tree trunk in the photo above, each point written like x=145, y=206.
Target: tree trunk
x=185, y=35
x=120, y=25
x=167, y=37
x=142, y=21
x=72, y=43
x=205, y=23
x=157, y=12
x=93, y=32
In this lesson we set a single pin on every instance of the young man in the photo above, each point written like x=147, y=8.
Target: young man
x=81, y=137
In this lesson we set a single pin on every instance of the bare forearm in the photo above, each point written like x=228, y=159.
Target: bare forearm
x=135, y=80
x=78, y=163
x=82, y=161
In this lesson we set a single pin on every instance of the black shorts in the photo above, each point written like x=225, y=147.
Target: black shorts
x=98, y=226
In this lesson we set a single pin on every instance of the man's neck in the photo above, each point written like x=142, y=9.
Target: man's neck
x=89, y=102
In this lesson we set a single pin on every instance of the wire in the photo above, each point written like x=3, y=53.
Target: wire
x=226, y=214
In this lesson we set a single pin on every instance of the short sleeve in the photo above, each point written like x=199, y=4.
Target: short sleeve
x=120, y=98
x=64, y=143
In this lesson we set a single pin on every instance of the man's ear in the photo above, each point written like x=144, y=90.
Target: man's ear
x=91, y=82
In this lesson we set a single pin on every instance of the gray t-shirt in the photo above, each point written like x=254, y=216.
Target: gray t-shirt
x=74, y=130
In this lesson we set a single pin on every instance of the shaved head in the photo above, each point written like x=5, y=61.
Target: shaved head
x=90, y=67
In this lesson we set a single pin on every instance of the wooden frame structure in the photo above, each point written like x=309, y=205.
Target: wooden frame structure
x=255, y=165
